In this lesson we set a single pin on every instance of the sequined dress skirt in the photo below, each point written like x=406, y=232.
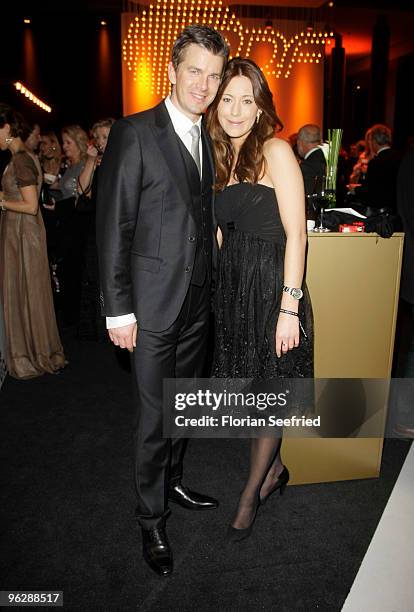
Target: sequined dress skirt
x=247, y=302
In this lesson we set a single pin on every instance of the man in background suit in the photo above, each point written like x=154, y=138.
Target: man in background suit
x=155, y=240
x=313, y=160
x=380, y=187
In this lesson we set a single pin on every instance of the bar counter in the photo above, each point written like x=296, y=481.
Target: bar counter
x=353, y=280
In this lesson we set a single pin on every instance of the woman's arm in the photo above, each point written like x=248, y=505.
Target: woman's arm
x=284, y=172
x=86, y=176
x=29, y=204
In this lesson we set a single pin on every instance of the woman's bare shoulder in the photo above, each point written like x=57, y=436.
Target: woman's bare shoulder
x=276, y=146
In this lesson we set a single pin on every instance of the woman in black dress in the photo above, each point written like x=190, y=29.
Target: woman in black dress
x=263, y=314
x=91, y=322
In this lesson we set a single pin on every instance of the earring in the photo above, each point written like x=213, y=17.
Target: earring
x=258, y=117
x=9, y=140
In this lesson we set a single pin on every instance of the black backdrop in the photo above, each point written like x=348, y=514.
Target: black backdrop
x=64, y=68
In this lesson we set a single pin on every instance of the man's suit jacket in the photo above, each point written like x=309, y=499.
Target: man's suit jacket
x=146, y=231
x=312, y=166
x=381, y=180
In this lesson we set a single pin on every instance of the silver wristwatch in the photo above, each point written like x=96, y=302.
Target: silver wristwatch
x=293, y=291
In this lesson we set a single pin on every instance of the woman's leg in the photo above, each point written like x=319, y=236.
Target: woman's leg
x=273, y=474
x=265, y=465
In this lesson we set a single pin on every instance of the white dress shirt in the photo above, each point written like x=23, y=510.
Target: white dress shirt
x=182, y=126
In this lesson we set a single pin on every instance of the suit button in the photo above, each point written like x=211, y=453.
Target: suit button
x=204, y=208
x=191, y=238
x=188, y=269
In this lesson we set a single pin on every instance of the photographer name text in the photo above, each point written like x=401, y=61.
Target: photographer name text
x=230, y=421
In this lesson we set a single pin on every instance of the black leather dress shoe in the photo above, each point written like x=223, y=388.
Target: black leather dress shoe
x=156, y=550
x=189, y=499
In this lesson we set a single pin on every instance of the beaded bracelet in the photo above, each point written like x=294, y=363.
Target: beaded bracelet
x=295, y=314
x=291, y=312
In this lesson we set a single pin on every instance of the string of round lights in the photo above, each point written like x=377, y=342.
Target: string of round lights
x=30, y=96
x=147, y=48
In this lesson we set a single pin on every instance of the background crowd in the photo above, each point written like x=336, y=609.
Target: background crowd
x=66, y=172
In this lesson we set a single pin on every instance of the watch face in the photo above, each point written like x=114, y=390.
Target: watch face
x=297, y=293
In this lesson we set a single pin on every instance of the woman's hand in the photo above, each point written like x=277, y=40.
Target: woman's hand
x=51, y=204
x=287, y=333
x=92, y=151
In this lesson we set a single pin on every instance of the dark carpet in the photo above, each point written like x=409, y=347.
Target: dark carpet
x=67, y=509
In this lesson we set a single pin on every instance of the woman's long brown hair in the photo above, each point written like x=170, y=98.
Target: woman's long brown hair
x=250, y=164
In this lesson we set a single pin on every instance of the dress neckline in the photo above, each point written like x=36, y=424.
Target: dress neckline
x=251, y=184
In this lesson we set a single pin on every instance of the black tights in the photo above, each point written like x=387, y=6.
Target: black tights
x=265, y=467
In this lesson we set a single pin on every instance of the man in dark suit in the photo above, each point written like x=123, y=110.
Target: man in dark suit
x=155, y=245
x=380, y=187
x=313, y=160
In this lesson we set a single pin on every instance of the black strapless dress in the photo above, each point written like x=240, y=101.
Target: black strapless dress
x=249, y=289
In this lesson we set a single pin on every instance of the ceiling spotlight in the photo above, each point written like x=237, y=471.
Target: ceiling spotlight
x=103, y=23
x=27, y=20
x=330, y=4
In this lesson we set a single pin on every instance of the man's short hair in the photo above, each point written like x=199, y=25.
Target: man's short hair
x=381, y=134
x=201, y=35
x=310, y=133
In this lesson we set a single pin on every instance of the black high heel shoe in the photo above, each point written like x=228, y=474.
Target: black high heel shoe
x=237, y=535
x=280, y=485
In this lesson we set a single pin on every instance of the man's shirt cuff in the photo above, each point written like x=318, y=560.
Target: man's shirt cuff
x=112, y=322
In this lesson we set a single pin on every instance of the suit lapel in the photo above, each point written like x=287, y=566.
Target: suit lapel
x=207, y=148
x=166, y=139
x=208, y=157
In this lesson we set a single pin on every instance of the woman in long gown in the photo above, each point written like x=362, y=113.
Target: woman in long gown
x=263, y=314
x=33, y=343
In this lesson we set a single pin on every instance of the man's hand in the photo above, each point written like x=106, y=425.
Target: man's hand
x=125, y=336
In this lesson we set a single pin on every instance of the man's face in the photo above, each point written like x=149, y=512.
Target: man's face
x=32, y=143
x=195, y=81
